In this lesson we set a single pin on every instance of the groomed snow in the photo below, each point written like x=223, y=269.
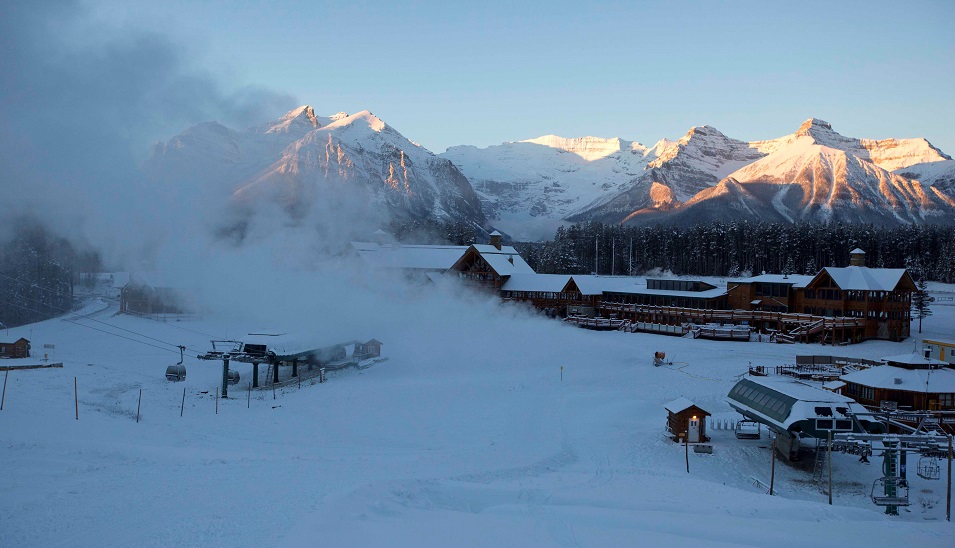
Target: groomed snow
x=465, y=436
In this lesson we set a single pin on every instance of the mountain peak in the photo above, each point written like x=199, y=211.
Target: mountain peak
x=811, y=124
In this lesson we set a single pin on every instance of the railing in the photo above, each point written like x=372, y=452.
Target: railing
x=709, y=315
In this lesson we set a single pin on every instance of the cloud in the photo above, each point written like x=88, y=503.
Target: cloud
x=80, y=105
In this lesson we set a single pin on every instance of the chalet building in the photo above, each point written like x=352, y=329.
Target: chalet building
x=148, y=293
x=370, y=349
x=880, y=297
x=686, y=420
x=909, y=380
x=19, y=348
x=489, y=265
x=768, y=292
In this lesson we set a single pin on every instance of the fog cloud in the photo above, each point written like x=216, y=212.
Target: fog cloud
x=80, y=105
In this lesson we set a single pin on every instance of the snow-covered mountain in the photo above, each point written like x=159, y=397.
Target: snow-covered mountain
x=343, y=162
x=529, y=187
x=813, y=174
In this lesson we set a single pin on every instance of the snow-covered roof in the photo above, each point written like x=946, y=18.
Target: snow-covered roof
x=412, y=257
x=596, y=285
x=935, y=381
x=285, y=344
x=912, y=358
x=857, y=251
x=796, y=280
x=708, y=294
x=536, y=282
x=679, y=405
x=862, y=278
x=505, y=261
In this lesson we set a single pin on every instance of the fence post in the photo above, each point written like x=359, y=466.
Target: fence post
x=76, y=399
x=183, y=406
x=139, y=405
x=4, y=397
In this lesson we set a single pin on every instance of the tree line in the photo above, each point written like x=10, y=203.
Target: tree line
x=742, y=248
x=37, y=274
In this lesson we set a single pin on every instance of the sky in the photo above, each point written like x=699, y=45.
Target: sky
x=447, y=73
x=89, y=87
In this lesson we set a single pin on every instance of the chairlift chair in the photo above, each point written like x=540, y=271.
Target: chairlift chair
x=177, y=372
x=901, y=497
x=928, y=468
x=748, y=430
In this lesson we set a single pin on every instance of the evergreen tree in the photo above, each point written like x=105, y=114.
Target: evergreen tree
x=921, y=300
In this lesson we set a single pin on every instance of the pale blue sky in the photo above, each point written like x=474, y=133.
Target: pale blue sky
x=446, y=73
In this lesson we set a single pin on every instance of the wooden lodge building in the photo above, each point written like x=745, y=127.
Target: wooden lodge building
x=910, y=381
x=837, y=305
x=489, y=266
x=148, y=293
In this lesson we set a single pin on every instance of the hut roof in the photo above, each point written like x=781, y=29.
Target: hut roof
x=681, y=404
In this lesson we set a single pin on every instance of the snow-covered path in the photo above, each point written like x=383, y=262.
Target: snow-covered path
x=465, y=436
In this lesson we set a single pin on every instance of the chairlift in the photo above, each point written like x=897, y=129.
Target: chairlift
x=748, y=430
x=233, y=376
x=177, y=372
x=928, y=468
x=901, y=497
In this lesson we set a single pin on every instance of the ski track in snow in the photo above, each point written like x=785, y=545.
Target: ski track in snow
x=433, y=447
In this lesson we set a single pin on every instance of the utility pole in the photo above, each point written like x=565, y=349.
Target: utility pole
x=829, y=459
x=772, y=472
x=225, y=376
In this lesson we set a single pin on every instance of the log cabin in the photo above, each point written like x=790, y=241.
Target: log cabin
x=19, y=348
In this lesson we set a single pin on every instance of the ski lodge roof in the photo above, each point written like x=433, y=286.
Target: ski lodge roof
x=505, y=261
x=411, y=257
x=589, y=284
x=795, y=280
x=888, y=377
x=861, y=278
x=552, y=283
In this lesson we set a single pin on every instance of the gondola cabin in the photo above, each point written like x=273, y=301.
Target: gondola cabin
x=686, y=421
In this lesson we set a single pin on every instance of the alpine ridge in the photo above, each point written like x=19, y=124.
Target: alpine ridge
x=346, y=165
x=814, y=174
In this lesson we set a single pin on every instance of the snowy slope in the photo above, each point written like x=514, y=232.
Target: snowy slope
x=433, y=447
x=938, y=174
x=300, y=161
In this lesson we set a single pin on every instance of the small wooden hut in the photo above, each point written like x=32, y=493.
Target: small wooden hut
x=17, y=349
x=686, y=419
